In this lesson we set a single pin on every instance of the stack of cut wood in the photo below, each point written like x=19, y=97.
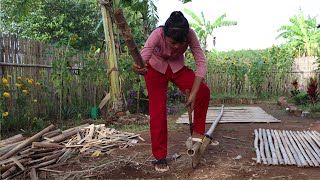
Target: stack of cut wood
x=98, y=139
x=51, y=146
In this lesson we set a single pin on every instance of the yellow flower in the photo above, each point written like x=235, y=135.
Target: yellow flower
x=19, y=78
x=35, y=100
x=18, y=85
x=38, y=84
x=25, y=91
x=4, y=114
x=4, y=81
x=8, y=85
x=30, y=81
x=6, y=94
x=9, y=76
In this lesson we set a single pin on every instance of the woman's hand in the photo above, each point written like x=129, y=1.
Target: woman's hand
x=138, y=70
x=191, y=100
x=195, y=87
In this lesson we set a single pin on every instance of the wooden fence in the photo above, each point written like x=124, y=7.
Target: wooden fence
x=32, y=59
x=275, y=83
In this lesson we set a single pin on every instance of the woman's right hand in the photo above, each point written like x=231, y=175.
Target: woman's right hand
x=137, y=69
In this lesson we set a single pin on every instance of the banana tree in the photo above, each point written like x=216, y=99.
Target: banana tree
x=302, y=34
x=112, y=62
x=144, y=10
x=204, y=28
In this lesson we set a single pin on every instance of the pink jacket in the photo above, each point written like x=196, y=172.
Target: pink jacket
x=160, y=56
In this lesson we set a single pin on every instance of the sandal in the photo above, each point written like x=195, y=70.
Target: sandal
x=160, y=165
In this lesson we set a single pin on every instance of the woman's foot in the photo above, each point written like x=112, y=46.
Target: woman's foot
x=161, y=165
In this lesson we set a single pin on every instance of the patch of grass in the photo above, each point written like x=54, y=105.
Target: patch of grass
x=132, y=127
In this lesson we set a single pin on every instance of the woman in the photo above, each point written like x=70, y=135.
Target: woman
x=163, y=53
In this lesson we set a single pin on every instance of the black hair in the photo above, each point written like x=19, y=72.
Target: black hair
x=177, y=27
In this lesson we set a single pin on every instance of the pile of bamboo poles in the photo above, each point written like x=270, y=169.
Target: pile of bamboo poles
x=52, y=147
x=283, y=147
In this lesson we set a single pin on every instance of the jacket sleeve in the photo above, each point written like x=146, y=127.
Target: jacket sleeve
x=198, y=54
x=150, y=45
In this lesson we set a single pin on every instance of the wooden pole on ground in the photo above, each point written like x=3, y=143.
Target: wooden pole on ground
x=26, y=142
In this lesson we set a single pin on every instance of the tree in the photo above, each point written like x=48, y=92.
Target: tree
x=52, y=21
x=205, y=28
x=302, y=34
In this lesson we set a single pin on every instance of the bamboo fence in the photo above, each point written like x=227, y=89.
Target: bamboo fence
x=33, y=59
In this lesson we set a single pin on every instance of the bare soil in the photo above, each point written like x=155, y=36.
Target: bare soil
x=219, y=162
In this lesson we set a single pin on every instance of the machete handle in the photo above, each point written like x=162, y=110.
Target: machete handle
x=189, y=111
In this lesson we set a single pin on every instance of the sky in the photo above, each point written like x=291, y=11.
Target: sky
x=258, y=20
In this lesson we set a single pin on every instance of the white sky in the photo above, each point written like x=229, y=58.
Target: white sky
x=258, y=20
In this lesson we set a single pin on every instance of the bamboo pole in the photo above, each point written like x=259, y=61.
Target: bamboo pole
x=52, y=133
x=13, y=139
x=282, y=148
x=8, y=172
x=46, y=145
x=272, y=148
x=313, y=137
x=300, y=156
x=256, y=146
x=263, y=157
x=266, y=146
x=276, y=147
x=301, y=148
x=311, y=153
x=129, y=40
x=314, y=146
x=26, y=143
x=294, y=159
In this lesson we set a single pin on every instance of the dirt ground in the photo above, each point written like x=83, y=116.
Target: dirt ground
x=219, y=162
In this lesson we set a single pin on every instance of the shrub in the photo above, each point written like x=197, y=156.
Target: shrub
x=301, y=98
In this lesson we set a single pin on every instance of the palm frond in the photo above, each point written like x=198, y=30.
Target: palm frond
x=193, y=16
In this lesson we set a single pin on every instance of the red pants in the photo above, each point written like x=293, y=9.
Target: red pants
x=157, y=86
